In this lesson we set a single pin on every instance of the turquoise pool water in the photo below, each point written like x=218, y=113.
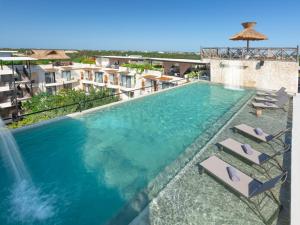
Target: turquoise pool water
x=92, y=165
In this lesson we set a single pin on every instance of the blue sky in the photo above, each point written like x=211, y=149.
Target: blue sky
x=166, y=25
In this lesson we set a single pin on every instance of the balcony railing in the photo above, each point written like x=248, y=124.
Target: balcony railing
x=276, y=54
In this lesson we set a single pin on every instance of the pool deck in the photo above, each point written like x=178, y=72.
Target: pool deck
x=194, y=197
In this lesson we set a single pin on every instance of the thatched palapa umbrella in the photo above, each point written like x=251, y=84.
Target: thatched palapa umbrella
x=249, y=34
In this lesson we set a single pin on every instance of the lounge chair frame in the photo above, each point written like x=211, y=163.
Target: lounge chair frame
x=271, y=160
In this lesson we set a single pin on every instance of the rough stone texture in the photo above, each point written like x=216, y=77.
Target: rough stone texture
x=271, y=75
x=195, y=198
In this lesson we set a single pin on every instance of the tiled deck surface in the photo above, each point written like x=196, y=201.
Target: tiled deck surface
x=196, y=198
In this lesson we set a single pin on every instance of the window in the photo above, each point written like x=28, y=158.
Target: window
x=50, y=77
x=126, y=81
x=99, y=77
x=51, y=90
x=111, y=79
x=88, y=75
x=66, y=75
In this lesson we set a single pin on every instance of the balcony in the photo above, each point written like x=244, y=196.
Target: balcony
x=5, y=87
x=275, y=54
x=70, y=80
x=5, y=105
x=60, y=81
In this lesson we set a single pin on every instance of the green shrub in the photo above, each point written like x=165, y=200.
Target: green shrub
x=69, y=101
x=141, y=67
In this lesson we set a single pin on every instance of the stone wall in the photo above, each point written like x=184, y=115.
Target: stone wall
x=269, y=75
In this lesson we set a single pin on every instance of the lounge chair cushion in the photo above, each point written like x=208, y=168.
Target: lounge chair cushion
x=251, y=132
x=258, y=131
x=262, y=105
x=217, y=168
x=247, y=186
x=247, y=149
x=232, y=174
x=234, y=146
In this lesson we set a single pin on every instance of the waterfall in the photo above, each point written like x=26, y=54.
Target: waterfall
x=232, y=75
x=11, y=155
x=27, y=203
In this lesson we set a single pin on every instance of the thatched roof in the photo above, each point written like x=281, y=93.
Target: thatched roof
x=48, y=54
x=249, y=34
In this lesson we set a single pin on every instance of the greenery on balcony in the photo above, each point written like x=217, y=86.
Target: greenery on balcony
x=84, y=59
x=197, y=74
x=66, y=101
x=141, y=67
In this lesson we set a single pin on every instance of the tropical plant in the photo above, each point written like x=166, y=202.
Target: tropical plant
x=142, y=67
x=45, y=106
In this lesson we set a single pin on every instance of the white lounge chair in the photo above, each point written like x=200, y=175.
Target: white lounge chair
x=246, y=186
x=263, y=136
x=266, y=99
x=253, y=156
x=271, y=93
x=279, y=104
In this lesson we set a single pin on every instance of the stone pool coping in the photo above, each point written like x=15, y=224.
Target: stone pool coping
x=295, y=167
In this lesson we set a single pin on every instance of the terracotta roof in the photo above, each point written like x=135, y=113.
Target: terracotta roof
x=50, y=69
x=150, y=77
x=48, y=54
x=164, y=78
x=249, y=33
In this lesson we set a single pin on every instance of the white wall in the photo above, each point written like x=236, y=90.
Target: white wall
x=271, y=75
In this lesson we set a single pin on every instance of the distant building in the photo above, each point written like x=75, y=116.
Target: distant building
x=19, y=83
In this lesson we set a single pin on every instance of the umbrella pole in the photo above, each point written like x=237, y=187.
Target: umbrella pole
x=247, y=45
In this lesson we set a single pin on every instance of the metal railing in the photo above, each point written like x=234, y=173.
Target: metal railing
x=84, y=104
x=276, y=54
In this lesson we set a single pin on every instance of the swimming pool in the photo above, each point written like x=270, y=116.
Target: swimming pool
x=93, y=165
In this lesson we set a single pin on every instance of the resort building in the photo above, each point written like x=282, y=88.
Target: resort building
x=16, y=84
x=23, y=81
x=171, y=67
